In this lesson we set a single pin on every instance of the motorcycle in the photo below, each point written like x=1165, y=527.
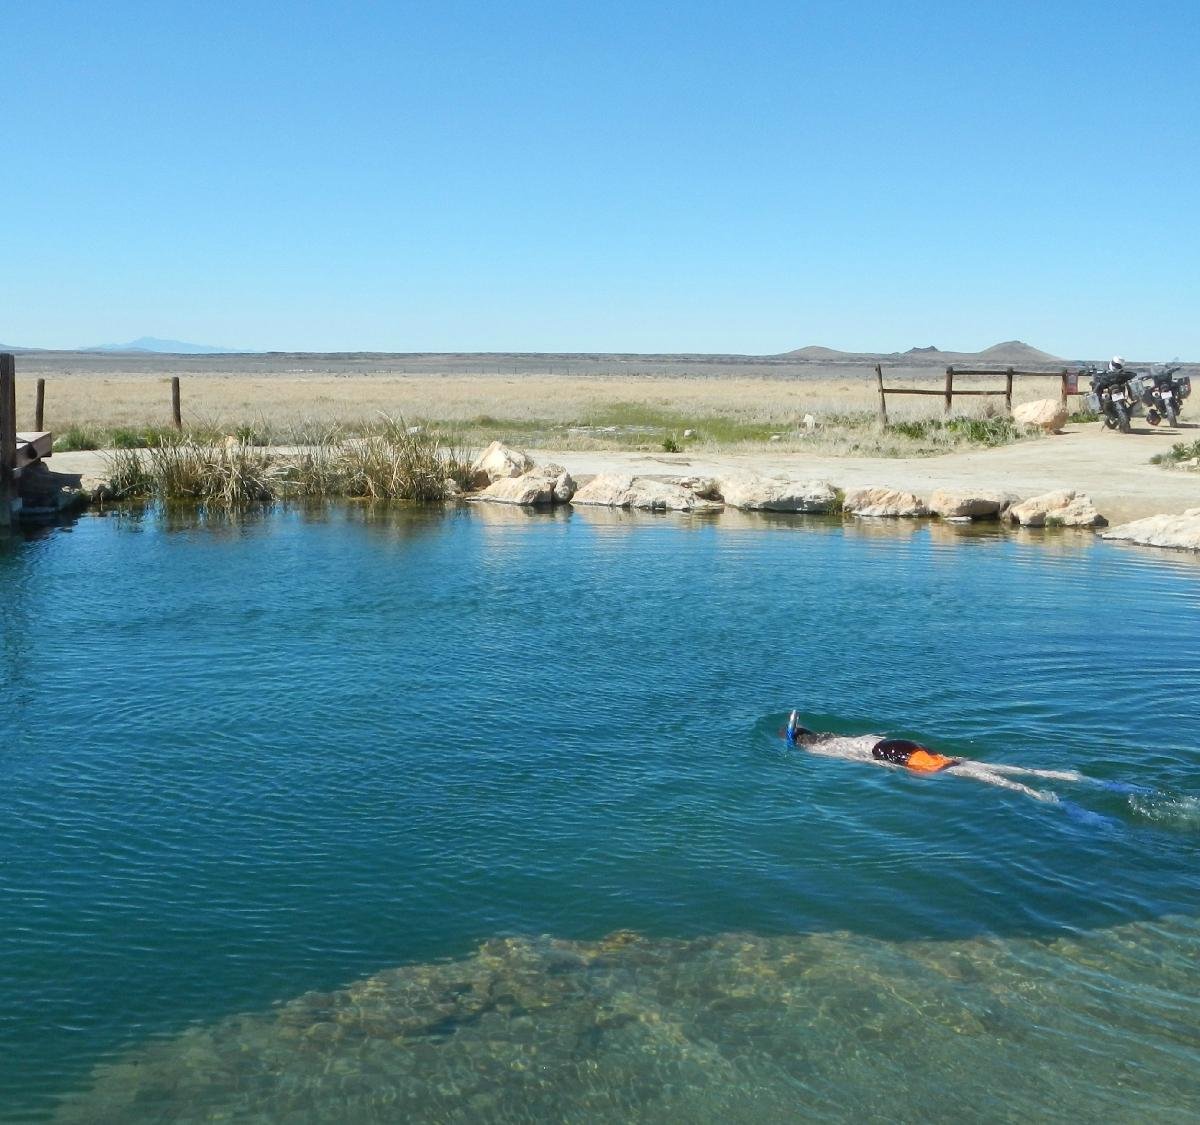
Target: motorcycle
x=1162, y=393
x=1112, y=397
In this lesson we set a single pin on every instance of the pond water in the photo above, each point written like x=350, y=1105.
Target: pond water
x=384, y=814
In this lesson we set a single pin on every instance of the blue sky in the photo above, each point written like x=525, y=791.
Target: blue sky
x=734, y=177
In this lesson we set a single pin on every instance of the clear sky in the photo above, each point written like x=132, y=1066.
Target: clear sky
x=736, y=177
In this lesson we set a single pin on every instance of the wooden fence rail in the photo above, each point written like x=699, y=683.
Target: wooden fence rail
x=1068, y=381
x=8, y=437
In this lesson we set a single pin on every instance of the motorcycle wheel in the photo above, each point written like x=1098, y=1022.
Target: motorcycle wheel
x=1122, y=417
x=1172, y=416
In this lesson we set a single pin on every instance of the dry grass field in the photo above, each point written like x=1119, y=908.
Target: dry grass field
x=587, y=403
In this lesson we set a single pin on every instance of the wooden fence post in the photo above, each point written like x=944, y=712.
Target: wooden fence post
x=882, y=396
x=949, y=389
x=176, y=415
x=1008, y=381
x=8, y=436
x=1064, y=386
x=39, y=406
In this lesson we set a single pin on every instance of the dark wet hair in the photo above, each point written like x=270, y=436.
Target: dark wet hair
x=806, y=737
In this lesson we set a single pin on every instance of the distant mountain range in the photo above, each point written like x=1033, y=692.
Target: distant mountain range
x=1010, y=353
x=154, y=344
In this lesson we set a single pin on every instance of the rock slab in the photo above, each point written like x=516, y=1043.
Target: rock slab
x=1049, y=414
x=968, y=505
x=753, y=493
x=883, y=502
x=1178, y=533
x=1062, y=508
x=620, y=490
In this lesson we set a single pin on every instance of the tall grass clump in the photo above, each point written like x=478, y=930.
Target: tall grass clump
x=397, y=462
x=75, y=438
x=128, y=475
x=400, y=463
x=225, y=471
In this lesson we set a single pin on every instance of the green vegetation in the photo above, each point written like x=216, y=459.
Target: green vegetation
x=139, y=439
x=79, y=437
x=1180, y=451
x=939, y=433
x=384, y=457
x=398, y=462
x=1082, y=417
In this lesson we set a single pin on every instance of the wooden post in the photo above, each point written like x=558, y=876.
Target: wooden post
x=1008, y=390
x=949, y=389
x=1064, y=386
x=39, y=406
x=176, y=415
x=8, y=436
x=882, y=396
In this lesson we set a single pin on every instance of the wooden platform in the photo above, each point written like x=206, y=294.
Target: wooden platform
x=33, y=446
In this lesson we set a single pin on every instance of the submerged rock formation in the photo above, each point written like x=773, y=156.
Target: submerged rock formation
x=1062, y=508
x=1179, y=533
x=729, y=1027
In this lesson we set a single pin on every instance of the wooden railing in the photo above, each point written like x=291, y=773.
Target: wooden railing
x=8, y=437
x=1068, y=385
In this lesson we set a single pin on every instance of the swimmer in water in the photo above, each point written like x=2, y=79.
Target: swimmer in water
x=912, y=756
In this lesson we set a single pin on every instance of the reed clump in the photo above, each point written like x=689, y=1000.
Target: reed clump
x=394, y=462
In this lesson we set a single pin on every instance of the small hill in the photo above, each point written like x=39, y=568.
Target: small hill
x=814, y=351
x=154, y=344
x=1015, y=352
x=1011, y=353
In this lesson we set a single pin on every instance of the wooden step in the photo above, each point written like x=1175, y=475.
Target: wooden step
x=33, y=446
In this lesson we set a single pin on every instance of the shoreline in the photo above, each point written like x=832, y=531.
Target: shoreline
x=1112, y=469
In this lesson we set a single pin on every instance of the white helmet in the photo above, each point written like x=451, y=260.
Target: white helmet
x=1116, y=363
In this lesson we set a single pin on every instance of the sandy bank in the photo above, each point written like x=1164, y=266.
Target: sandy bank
x=1114, y=469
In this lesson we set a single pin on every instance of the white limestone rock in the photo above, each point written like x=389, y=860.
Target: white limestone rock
x=885, y=502
x=968, y=505
x=548, y=484
x=620, y=490
x=1061, y=508
x=497, y=462
x=753, y=493
x=1178, y=533
x=1049, y=414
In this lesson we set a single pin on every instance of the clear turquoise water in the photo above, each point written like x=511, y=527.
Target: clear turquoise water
x=250, y=762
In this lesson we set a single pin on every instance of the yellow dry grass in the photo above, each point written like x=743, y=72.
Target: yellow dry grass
x=282, y=401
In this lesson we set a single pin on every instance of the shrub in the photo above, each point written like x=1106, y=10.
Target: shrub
x=1180, y=451
x=396, y=463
